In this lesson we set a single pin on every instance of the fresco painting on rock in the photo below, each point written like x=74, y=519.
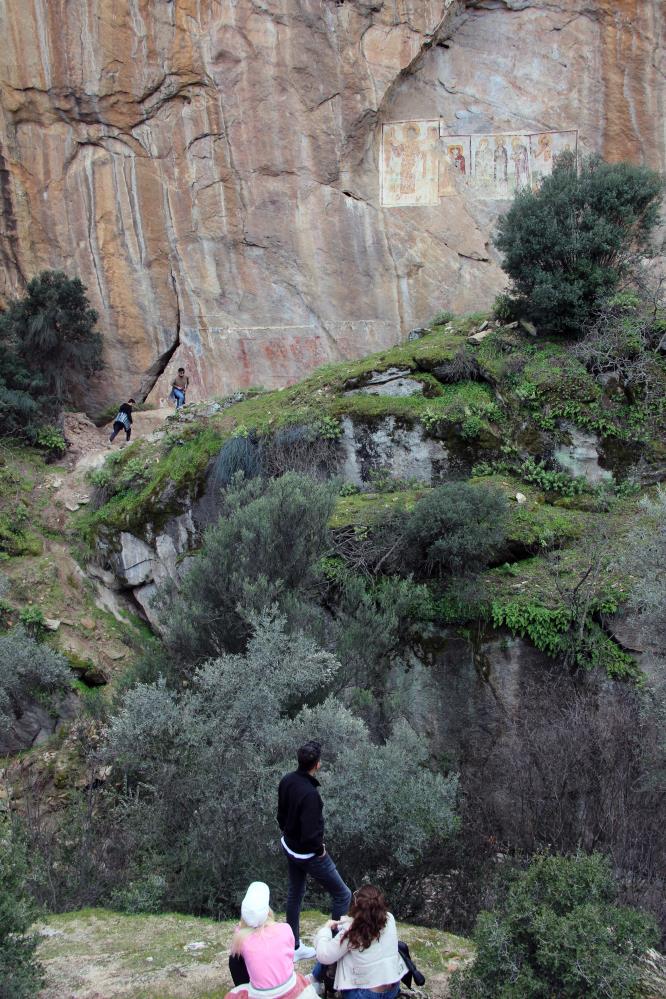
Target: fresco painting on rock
x=455, y=163
x=420, y=164
x=500, y=164
x=410, y=163
x=545, y=147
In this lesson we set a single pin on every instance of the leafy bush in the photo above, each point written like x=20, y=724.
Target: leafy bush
x=454, y=530
x=51, y=440
x=442, y=318
x=20, y=974
x=28, y=668
x=145, y=894
x=558, y=932
x=566, y=246
x=623, y=342
x=52, y=333
x=32, y=619
x=202, y=768
x=266, y=544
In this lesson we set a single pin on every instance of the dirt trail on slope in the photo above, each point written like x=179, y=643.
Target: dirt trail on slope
x=89, y=447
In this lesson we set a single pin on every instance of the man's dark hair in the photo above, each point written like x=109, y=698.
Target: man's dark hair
x=309, y=754
x=181, y=369
x=131, y=400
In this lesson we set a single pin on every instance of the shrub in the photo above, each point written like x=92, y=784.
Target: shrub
x=32, y=619
x=51, y=332
x=20, y=974
x=20, y=395
x=239, y=454
x=145, y=894
x=624, y=342
x=454, y=530
x=558, y=932
x=442, y=318
x=566, y=246
x=28, y=668
x=202, y=767
x=462, y=367
x=51, y=440
x=643, y=560
x=266, y=544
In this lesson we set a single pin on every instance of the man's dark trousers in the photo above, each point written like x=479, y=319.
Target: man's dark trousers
x=325, y=873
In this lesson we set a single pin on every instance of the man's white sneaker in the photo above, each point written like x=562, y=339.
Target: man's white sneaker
x=303, y=953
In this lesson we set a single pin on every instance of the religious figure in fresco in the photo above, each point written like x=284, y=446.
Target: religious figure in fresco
x=457, y=157
x=541, y=158
x=521, y=163
x=483, y=162
x=544, y=148
x=501, y=161
x=412, y=160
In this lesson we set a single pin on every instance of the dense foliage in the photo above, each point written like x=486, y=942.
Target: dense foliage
x=567, y=245
x=455, y=530
x=264, y=545
x=49, y=348
x=20, y=974
x=201, y=767
x=558, y=932
x=28, y=668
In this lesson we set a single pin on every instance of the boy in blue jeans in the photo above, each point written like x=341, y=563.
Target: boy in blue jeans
x=179, y=387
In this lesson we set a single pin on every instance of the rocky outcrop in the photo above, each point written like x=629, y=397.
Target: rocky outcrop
x=33, y=723
x=211, y=169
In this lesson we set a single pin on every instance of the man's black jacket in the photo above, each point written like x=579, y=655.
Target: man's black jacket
x=300, y=813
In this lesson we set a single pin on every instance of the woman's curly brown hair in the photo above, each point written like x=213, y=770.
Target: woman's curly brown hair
x=369, y=912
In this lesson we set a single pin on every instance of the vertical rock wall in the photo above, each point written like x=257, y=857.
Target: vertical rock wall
x=211, y=167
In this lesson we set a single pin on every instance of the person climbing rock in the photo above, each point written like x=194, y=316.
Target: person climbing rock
x=301, y=820
x=179, y=387
x=123, y=420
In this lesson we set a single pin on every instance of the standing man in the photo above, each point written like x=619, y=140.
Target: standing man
x=123, y=420
x=179, y=387
x=300, y=817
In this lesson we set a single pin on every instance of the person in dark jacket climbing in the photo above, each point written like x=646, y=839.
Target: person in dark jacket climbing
x=301, y=820
x=123, y=420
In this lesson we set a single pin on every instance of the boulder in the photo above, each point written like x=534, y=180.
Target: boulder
x=404, y=452
x=581, y=456
x=134, y=563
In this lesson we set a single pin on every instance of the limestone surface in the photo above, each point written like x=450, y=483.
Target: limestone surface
x=211, y=168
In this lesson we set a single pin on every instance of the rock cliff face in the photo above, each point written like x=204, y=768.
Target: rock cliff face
x=211, y=168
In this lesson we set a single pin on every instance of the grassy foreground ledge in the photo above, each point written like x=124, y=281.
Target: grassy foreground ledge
x=98, y=954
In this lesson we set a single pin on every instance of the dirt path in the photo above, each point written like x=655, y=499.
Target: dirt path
x=89, y=447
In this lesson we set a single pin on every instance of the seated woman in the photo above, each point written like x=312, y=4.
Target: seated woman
x=262, y=953
x=365, y=949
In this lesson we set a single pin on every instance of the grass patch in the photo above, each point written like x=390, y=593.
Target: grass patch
x=145, y=956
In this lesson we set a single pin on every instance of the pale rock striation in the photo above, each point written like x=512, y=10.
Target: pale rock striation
x=211, y=167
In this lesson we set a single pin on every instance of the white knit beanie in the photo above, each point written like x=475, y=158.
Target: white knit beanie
x=255, y=907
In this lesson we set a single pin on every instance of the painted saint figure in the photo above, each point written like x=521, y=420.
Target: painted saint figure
x=457, y=158
x=521, y=163
x=541, y=158
x=411, y=153
x=483, y=163
x=500, y=161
